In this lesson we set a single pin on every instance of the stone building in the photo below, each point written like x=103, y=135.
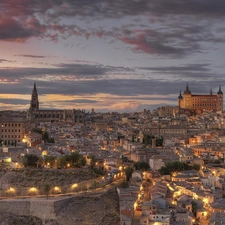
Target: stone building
x=201, y=102
x=35, y=115
x=12, y=130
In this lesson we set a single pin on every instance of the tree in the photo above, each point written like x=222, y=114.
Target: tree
x=128, y=171
x=147, y=140
x=141, y=166
x=61, y=161
x=46, y=189
x=164, y=171
x=93, y=160
x=50, y=160
x=29, y=160
x=81, y=161
x=51, y=140
x=124, y=184
x=74, y=158
x=194, y=207
x=38, y=130
x=159, y=141
x=45, y=136
x=196, y=167
x=177, y=166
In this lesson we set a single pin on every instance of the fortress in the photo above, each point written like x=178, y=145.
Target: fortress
x=211, y=102
x=35, y=115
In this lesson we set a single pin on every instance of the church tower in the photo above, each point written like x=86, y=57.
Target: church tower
x=34, y=103
x=187, y=98
x=180, y=100
x=219, y=104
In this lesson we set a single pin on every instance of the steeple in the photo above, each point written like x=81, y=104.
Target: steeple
x=210, y=91
x=35, y=89
x=34, y=103
x=187, y=91
x=220, y=91
x=180, y=96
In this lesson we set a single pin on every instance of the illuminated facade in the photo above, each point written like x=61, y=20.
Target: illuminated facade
x=211, y=102
x=12, y=130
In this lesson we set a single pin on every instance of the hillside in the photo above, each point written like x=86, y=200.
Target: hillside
x=80, y=210
x=19, y=178
x=83, y=209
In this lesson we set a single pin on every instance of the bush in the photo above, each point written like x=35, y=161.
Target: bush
x=124, y=184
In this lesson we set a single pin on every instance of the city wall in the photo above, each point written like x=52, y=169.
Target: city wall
x=42, y=208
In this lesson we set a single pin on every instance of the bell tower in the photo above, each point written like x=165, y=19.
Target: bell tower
x=220, y=99
x=34, y=103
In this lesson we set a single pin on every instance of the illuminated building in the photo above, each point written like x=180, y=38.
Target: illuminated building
x=211, y=102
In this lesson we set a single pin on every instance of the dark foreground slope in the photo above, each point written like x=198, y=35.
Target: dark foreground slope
x=81, y=210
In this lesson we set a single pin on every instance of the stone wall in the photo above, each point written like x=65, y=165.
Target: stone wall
x=40, y=207
x=18, y=207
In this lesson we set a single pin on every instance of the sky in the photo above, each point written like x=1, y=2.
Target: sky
x=110, y=55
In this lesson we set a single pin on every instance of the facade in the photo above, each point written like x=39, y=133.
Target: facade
x=12, y=130
x=211, y=102
x=34, y=114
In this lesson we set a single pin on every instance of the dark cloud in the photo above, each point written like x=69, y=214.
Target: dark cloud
x=4, y=60
x=14, y=101
x=14, y=30
x=176, y=35
x=92, y=79
x=80, y=101
x=124, y=87
x=31, y=56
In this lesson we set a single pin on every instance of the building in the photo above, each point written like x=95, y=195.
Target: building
x=211, y=102
x=35, y=115
x=12, y=130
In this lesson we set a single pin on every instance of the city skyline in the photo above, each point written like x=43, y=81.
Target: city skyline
x=120, y=56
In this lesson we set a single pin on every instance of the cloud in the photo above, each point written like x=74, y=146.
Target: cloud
x=5, y=60
x=203, y=67
x=14, y=30
x=174, y=34
x=150, y=45
x=32, y=56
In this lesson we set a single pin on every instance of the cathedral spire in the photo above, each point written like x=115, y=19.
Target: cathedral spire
x=34, y=103
x=35, y=86
x=210, y=91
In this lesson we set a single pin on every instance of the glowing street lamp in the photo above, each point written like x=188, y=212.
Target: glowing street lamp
x=74, y=186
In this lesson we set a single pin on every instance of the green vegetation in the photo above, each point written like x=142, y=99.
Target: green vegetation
x=147, y=140
x=46, y=189
x=99, y=171
x=141, y=166
x=124, y=184
x=45, y=135
x=29, y=160
x=194, y=208
x=176, y=167
x=128, y=171
x=73, y=160
x=93, y=160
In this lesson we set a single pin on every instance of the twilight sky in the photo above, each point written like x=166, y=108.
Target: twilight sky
x=110, y=55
